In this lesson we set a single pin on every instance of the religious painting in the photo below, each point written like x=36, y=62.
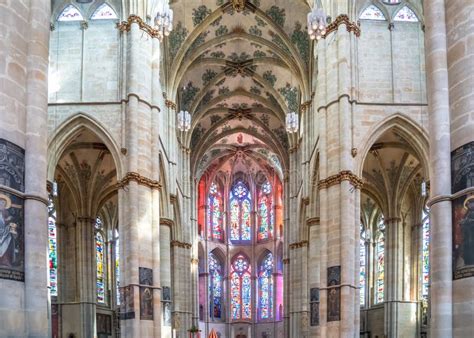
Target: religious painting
x=12, y=175
x=462, y=167
x=11, y=237
x=314, y=306
x=104, y=324
x=127, y=303
x=167, y=314
x=146, y=303
x=166, y=294
x=145, y=276
x=334, y=294
x=463, y=237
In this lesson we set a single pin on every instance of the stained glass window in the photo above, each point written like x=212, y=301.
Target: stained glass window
x=380, y=261
x=100, y=261
x=363, y=264
x=53, y=249
x=70, y=13
x=215, y=287
x=240, y=213
x=265, y=212
x=241, y=289
x=104, y=12
x=117, y=266
x=215, y=213
x=265, y=288
x=425, y=257
x=406, y=14
x=372, y=13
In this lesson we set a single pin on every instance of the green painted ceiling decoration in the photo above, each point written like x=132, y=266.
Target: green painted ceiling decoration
x=238, y=73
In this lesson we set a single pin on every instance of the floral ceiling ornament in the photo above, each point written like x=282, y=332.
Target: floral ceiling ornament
x=238, y=5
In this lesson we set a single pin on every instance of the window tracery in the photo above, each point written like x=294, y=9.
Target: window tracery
x=265, y=287
x=240, y=213
x=215, y=213
x=380, y=261
x=266, y=217
x=53, y=250
x=100, y=261
x=241, y=289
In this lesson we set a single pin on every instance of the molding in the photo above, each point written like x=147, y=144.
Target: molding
x=447, y=198
x=141, y=180
x=286, y=261
x=179, y=244
x=343, y=19
x=304, y=107
x=313, y=221
x=345, y=175
x=166, y=222
x=23, y=195
x=125, y=26
x=298, y=245
x=170, y=104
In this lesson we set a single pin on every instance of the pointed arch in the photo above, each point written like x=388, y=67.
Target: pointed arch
x=71, y=127
x=104, y=12
x=411, y=132
x=164, y=191
x=372, y=12
x=405, y=14
x=70, y=13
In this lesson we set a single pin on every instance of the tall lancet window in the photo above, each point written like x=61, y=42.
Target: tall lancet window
x=363, y=264
x=425, y=257
x=380, y=261
x=265, y=287
x=241, y=288
x=117, y=266
x=240, y=216
x=265, y=212
x=53, y=250
x=100, y=260
x=215, y=213
x=215, y=287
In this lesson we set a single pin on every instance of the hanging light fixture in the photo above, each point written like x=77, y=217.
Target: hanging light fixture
x=184, y=120
x=292, y=122
x=316, y=22
x=164, y=19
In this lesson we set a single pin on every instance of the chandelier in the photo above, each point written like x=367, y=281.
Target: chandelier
x=316, y=23
x=292, y=122
x=164, y=19
x=184, y=120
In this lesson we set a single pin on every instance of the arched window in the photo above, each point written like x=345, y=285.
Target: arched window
x=216, y=291
x=70, y=13
x=406, y=14
x=100, y=261
x=240, y=217
x=363, y=264
x=266, y=217
x=240, y=288
x=104, y=12
x=117, y=266
x=53, y=249
x=380, y=261
x=425, y=256
x=215, y=213
x=265, y=287
x=372, y=13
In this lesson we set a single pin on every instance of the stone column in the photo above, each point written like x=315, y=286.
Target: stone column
x=24, y=43
x=440, y=169
x=460, y=62
x=165, y=272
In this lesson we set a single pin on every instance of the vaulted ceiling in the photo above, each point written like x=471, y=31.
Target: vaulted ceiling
x=238, y=71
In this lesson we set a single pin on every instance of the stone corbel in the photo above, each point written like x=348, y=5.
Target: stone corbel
x=343, y=19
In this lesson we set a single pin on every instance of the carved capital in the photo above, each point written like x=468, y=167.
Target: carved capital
x=142, y=180
x=179, y=244
x=298, y=245
x=345, y=175
x=125, y=26
x=343, y=19
x=167, y=222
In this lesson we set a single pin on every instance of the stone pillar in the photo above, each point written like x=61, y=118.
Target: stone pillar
x=440, y=170
x=460, y=62
x=24, y=43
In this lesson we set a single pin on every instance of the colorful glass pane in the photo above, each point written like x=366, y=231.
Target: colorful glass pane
x=104, y=12
x=372, y=13
x=215, y=286
x=240, y=213
x=425, y=257
x=380, y=263
x=70, y=13
x=215, y=213
x=406, y=14
x=363, y=267
x=265, y=213
x=241, y=289
x=117, y=266
x=53, y=249
x=265, y=280
x=100, y=265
